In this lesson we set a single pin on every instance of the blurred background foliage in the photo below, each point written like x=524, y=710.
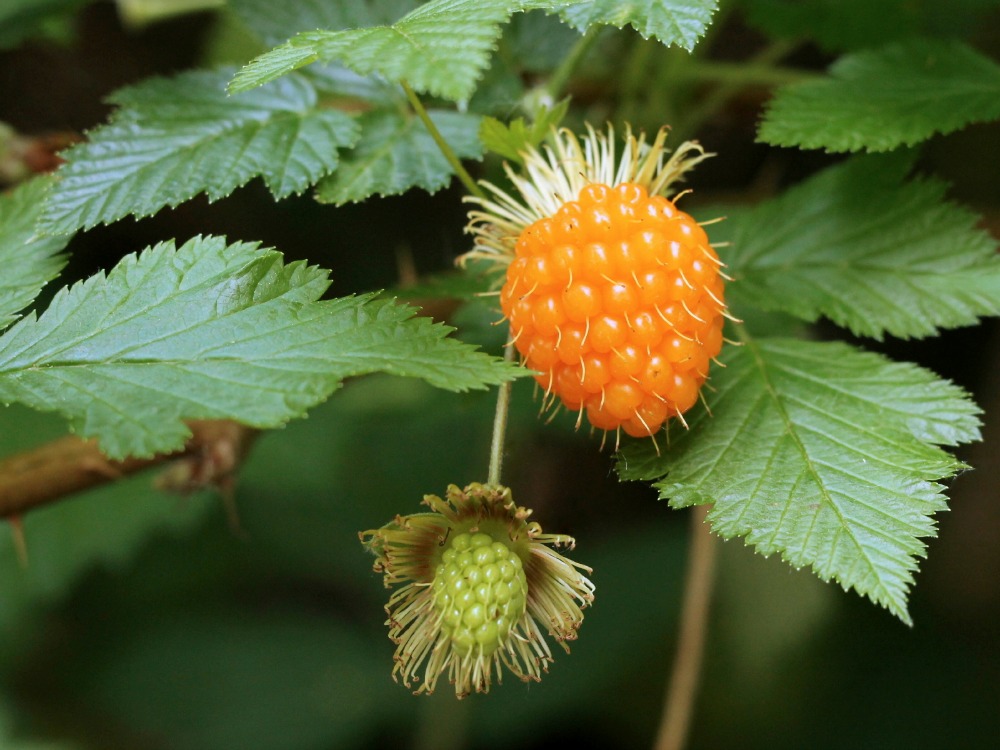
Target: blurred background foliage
x=144, y=622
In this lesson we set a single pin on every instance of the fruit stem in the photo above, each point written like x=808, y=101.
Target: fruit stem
x=442, y=144
x=677, y=707
x=500, y=423
x=561, y=75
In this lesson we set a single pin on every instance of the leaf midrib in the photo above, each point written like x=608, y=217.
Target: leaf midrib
x=791, y=431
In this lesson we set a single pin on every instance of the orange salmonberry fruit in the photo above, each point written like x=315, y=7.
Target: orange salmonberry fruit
x=614, y=296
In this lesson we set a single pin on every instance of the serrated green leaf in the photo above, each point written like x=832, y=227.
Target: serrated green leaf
x=396, y=152
x=680, y=22
x=822, y=453
x=510, y=139
x=172, y=139
x=504, y=140
x=867, y=250
x=28, y=260
x=214, y=331
x=275, y=22
x=443, y=47
x=440, y=48
x=879, y=100
x=334, y=80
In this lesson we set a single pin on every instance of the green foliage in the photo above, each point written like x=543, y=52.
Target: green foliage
x=509, y=140
x=680, y=22
x=440, y=48
x=274, y=22
x=872, y=253
x=174, y=138
x=879, y=100
x=28, y=260
x=831, y=457
x=443, y=46
x=536, y=42
x=821, y=453
x=396, y=153
x=211, y=330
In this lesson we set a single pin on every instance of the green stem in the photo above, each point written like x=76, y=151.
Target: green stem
x=743, y=74
x=500, y=423
x=442, y=144
x=683, y=688
x=561, y=75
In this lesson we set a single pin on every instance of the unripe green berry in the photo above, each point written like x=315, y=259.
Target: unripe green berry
x=480, y=591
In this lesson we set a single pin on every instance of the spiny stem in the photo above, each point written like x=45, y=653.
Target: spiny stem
x=561, y=75
x=442, y=144
x=683, y=686
x=500, y=423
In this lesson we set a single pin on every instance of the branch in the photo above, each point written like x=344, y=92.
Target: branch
x=63, y=467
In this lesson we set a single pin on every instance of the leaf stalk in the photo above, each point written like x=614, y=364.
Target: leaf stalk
x=442, y=144
x=500, y=423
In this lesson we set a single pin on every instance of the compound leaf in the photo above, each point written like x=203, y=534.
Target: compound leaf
x=879, y=100
x=28, y=260
x=396, y=153
x=443, y=47
x=211, y=330
x=822, y=453
x=172, y=139
x=867, y=250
